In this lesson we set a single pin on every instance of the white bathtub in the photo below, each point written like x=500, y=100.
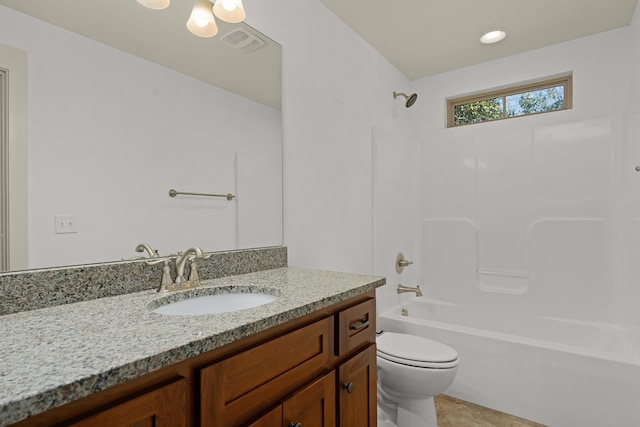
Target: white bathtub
x=557, y=372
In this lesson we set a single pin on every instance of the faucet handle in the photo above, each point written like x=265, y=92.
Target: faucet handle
x=401, y=262
x=166, y=282
x=193, y=273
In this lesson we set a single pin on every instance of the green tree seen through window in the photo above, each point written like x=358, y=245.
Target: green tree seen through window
x=537, y=101
x=480, y=111
x=552, y=95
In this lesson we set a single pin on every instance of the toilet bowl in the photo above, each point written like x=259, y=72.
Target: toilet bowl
x=411, y=371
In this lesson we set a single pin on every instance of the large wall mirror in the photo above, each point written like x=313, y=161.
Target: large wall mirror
x=124, y=104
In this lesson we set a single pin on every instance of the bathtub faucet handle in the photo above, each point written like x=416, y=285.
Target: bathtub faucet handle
x=401, y=262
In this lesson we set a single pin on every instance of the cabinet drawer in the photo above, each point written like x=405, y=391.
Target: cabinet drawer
x=355, y=327
x=238, y=388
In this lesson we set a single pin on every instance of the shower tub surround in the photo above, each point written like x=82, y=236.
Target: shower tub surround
x=549, y=370
x=525, y=265
x=58, y=354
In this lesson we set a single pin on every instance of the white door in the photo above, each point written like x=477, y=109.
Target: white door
x=4, y=157
x=13, y=159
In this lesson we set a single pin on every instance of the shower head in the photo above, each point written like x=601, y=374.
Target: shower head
x=411, y=99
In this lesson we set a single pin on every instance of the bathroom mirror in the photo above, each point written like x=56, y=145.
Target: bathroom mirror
x=124, y=104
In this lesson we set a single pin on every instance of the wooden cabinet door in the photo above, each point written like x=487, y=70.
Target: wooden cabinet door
x=357, y=390
x=272, y=418
x=163, y=407
x=313, y=406
x=242, y=386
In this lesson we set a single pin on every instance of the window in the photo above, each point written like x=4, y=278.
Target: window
x=541, y=97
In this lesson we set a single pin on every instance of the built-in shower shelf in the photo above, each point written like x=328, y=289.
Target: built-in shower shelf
x=505, y=282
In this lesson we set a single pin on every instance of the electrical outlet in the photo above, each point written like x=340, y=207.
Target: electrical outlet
x=66, y=224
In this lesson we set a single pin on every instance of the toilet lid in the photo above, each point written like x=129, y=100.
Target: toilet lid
x=414, y=350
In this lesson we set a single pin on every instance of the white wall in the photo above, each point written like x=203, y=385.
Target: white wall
x=110, y=134
x=631, y=298
x=395, y=165
x=336, y=89
x=635, y=62
x=536, y=196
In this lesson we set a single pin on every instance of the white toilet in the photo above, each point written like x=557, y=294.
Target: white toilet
x=411, y=371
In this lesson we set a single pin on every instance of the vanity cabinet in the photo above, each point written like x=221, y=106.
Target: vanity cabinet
x=272, y=418
x=243, y=386
x=357, y=375
x=357, y=397
x=316, y=405
x=318, y=370
x=240, y=387
x=165, y=406
x=313, y=406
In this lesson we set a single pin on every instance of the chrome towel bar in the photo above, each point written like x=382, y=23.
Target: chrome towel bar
x=174, y=193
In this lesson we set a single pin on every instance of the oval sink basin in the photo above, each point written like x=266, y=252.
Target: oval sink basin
x=223, y=302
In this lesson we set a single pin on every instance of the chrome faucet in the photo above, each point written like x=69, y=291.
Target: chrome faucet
x=181, y=260
x=402, y=289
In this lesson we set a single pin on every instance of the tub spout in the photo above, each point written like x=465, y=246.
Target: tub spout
x=402, y=289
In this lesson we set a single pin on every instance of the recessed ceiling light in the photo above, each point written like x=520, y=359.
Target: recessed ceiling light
x=493, y=37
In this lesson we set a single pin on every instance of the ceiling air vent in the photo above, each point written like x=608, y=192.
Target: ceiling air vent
x=243, y=40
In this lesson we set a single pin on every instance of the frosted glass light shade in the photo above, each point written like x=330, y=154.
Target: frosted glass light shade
x=231, y=11
x=201, y=22
x=155, y=4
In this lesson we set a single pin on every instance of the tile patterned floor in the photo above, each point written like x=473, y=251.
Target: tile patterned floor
x=454, y=412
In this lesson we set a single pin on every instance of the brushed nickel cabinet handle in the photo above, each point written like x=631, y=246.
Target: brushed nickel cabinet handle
x=363, y=324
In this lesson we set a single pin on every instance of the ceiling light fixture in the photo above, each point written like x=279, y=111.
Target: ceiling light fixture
x=155, y=4
x=230, y=11
x=202, y=22
x=493, y=37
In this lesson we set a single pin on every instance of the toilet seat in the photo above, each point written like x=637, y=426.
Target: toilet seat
x=416, y=351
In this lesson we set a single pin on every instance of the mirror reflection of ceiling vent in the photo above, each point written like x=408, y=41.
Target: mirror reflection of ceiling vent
x=243, y=40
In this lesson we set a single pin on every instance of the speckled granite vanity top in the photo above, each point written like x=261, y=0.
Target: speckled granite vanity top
x=55, y=355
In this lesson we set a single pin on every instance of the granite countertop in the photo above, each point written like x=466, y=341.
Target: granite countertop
x=55, y=355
